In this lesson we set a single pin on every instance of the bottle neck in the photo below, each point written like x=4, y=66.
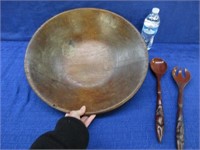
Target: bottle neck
x=154, y=13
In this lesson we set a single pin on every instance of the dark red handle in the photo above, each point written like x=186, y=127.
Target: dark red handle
x=159, y=113
x=180, y=124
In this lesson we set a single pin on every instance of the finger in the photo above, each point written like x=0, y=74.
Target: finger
x=81, y=111
x=78, y=113
x=89, y=120
x=84, y=118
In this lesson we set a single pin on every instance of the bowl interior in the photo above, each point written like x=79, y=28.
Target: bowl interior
x=88, y=57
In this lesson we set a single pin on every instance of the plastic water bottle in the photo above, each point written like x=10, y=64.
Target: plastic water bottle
x=150, y=27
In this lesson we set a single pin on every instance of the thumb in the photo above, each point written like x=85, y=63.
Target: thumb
x=81, y=111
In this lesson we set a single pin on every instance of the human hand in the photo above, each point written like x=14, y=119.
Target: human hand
x=79, y=114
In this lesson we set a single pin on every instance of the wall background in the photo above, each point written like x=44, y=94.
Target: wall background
x=179, y=19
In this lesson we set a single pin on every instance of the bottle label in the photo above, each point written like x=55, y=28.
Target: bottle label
x=149, y=30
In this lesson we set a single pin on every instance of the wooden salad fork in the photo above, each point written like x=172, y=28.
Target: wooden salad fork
x=181, y=82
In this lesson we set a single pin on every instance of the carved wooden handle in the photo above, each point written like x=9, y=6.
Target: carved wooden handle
x=159, y=113
x=180, y=124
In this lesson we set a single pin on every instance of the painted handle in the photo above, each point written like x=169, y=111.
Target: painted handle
x=180, y=124
x=159, y=113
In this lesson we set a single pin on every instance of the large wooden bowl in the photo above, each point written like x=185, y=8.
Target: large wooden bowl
x=88, y=57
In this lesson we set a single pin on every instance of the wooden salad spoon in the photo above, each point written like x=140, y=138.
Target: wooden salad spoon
x=159, y=67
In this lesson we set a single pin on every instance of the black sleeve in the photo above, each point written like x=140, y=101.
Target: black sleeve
x=69, y=133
